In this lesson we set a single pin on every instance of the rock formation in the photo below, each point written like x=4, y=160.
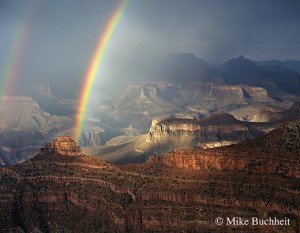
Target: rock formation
x=22, y=112
x=62, y=145
x=31, y=121
x=24, y=127
x=182, y=191
x=140, y=104
x=217, y=130
x=276, y=79
x=170, y=133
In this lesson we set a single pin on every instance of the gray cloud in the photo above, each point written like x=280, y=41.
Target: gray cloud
x=64, y=33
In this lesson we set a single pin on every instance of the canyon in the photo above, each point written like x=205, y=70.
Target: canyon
x=149, y=116
x=63, y=190
x=173, y=133
x=186, y=88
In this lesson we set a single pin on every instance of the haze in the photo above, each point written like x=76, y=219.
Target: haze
x=63, y=34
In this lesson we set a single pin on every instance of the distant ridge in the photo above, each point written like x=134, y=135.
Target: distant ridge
x=289, y=64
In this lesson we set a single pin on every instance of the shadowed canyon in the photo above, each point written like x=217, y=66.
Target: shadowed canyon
x=149, y=116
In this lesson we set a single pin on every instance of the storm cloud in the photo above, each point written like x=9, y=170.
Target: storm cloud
x=63, y=34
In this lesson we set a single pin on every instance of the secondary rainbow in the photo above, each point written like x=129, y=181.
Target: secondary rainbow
x=95, y=65
x=12, y=64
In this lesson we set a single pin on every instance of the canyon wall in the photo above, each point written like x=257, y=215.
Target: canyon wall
x=62, y=189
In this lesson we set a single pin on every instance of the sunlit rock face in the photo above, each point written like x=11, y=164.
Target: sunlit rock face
x=217, y=130
x=62, y=190
x=62, y=145
x=140, y=104
x=184, y=131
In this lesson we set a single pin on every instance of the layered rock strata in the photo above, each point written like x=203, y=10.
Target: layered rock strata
x=62, y=190
x=217, y=130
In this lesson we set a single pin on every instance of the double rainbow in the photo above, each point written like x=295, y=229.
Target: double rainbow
x=95, y=65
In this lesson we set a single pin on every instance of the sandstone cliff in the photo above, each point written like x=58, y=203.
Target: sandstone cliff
x=217, y=130
x=63, y=190
x=62, y=145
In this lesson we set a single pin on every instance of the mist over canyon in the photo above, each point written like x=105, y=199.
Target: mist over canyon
x=156, y=117
x=149, y=116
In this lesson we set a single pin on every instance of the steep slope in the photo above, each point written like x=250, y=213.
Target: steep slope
x=167, y=134
x=217, y=130
x=171, y=133
x=22, y=112
x=142, y=103
x=24, y=127
x=279, y=78
x=271, y=114
x=62, y=190
x=183, y=67
x=275, y=79
x=52, y=102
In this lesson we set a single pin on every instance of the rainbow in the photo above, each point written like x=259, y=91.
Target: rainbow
x=95, y=65
x=10, y=70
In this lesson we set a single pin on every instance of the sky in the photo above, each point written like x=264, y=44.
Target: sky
x=61, y=35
